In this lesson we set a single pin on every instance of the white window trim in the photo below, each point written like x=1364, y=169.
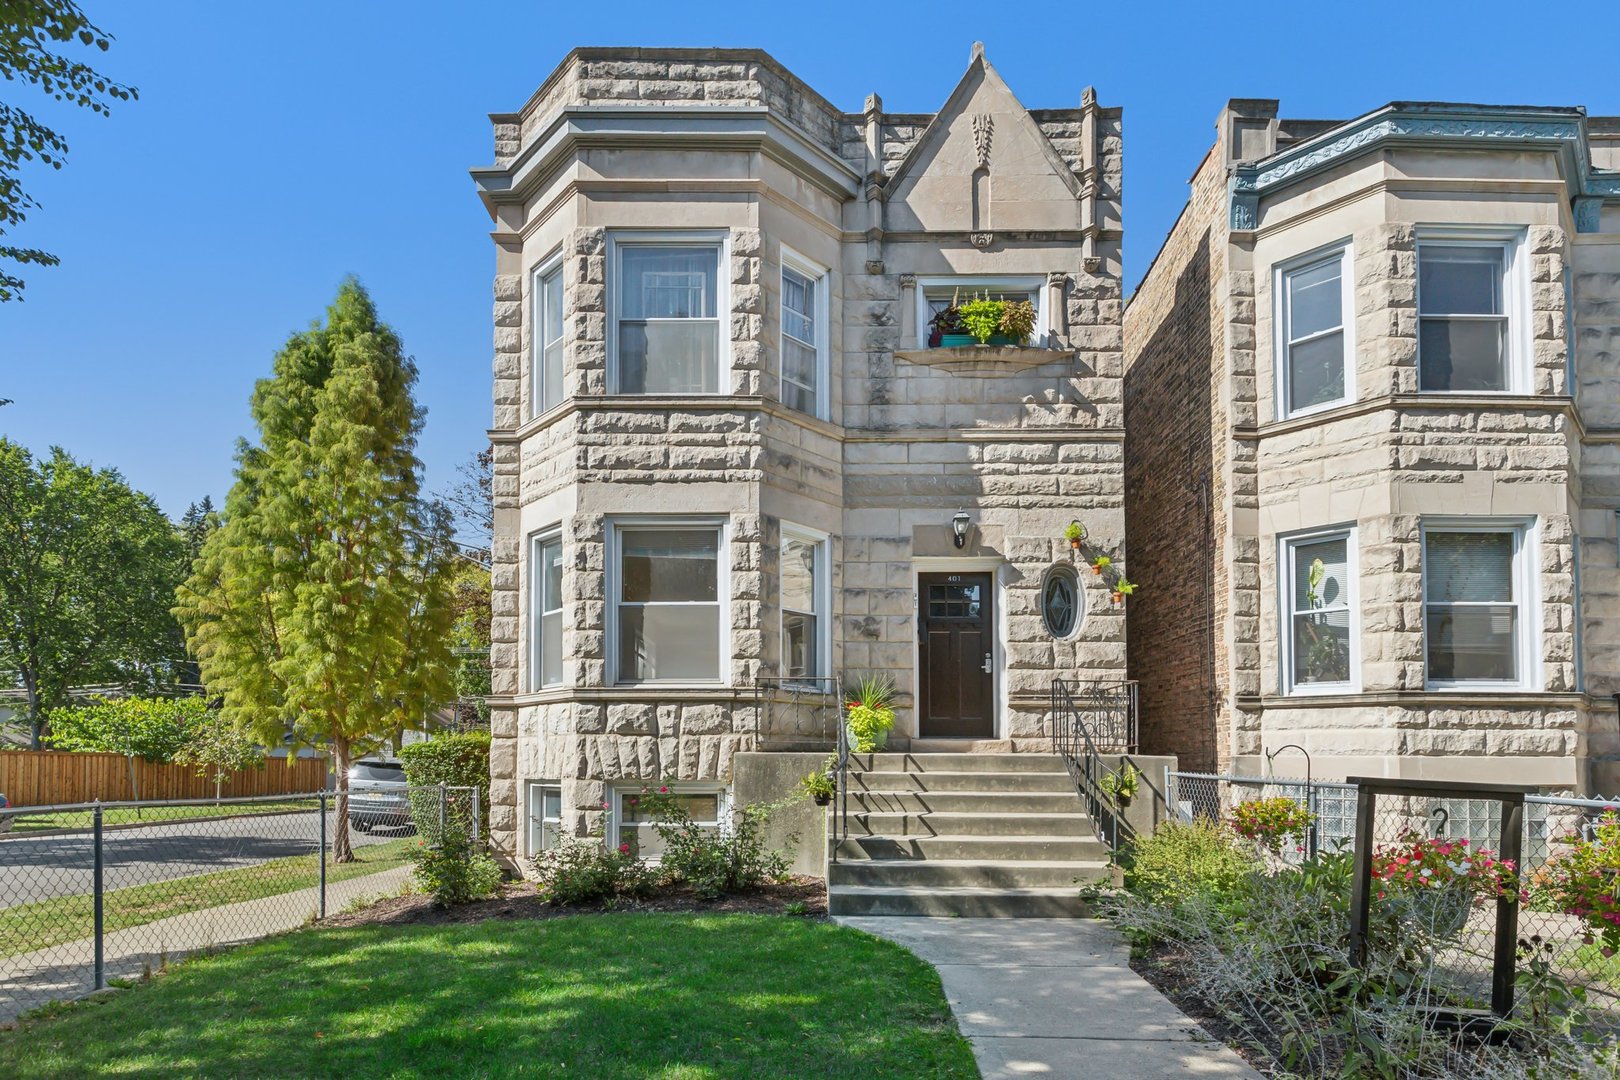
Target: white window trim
x=1526, y=561
x=1286, y=545
x=823, y=600
x=720, y=240
x=1515, y=298
x=1281, y=317
x=684, y=787
x=822, y=278
x=1032, y=283
x=617, y=525
x=537, y=346
x=531, y=834
x=537, y=541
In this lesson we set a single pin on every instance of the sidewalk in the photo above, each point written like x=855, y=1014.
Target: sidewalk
x=67, y=971
x=1056, y=998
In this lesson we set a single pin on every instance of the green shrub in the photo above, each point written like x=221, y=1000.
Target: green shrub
x=153, y=729
x=455, y=760
x=714, y=862
x=583, y=871
x=1186, y=861
x=454, y=870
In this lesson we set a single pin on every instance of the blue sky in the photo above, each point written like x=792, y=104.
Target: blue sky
x=278, y=147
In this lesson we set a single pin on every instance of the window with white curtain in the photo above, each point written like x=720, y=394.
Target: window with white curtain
x=666, y=316
x=804, y=339
x=667, y=603
x=803, y=564
x=547, y=370
x=1475, y=585
x=545, y=816
x=1320, y=646
x=1465, y=341
x=546, y=602
x=1316, y=370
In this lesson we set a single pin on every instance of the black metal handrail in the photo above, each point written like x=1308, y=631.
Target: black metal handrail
x=1112, y=706
x=829, y=689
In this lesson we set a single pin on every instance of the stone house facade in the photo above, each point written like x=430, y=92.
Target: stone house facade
x=1391, y=538
x=729, y=453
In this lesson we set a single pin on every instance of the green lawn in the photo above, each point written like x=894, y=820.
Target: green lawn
x=672, y=997
x=26, y=927
x=127, y=815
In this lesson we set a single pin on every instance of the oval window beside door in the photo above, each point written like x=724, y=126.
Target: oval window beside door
x=1060, y=601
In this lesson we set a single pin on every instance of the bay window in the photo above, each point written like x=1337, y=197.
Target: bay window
x=804, y=604
x=804, y=338
x=666, y=603
x=546, y=373
x=1466, y=341
x=545, y=816
x=546, y=633
x=1476, y=586
x=1317, y=368
x=1319, y=603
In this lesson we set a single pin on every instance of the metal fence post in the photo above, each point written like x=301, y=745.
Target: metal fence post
x=1361, y=881
x=99, y=889
x=323, y=855
x=475, y=819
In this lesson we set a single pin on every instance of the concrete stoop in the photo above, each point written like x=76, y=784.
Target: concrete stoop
x=980, y=835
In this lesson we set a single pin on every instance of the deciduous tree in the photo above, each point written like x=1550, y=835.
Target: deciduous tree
x=87, y=569
x=321, y=606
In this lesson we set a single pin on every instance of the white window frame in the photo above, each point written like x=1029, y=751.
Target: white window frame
x=685, y=787
x=616, y=526
x=1287, y=544
x=821, y=279
x=1282, y=320
x=534, y=834
x=1034, y=284
x=1515, y=299
x=720, y=240
x=823, y=601
x=552, y=264
x=1526, y=560
x=537, y=544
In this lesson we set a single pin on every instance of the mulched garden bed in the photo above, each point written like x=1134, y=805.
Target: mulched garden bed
x=804, y=896
x=1165, y=969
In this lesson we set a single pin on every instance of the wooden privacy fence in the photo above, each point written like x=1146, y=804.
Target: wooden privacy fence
x=47, y=777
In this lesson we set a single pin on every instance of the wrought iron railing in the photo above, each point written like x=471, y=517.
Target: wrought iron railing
x=1089, y=720
x=822, y=699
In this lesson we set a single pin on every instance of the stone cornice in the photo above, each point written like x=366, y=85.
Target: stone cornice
x=1429, y=124
x=1558, y=403
x=682, y=127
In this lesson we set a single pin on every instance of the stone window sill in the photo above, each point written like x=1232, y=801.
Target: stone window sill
x=986, y=358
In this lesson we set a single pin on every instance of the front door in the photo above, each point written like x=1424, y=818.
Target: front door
x=957, y=656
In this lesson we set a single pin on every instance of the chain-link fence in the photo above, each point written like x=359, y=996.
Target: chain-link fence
x=95, y=893
x=1568, y=875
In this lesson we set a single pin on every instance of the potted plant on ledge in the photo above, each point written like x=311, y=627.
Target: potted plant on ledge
x=1121, y=786
x=868, y=715
x=818, y=784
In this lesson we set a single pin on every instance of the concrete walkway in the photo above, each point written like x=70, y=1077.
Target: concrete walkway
x=1056, y=998
x=68, y=970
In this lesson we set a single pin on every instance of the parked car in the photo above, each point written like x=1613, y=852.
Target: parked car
x=377, y=796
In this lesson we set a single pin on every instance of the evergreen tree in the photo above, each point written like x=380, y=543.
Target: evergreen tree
x=320, y=608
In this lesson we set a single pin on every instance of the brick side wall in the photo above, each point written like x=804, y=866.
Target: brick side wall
x=1172, y=339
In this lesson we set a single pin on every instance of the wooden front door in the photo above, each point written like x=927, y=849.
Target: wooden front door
x=957, y=655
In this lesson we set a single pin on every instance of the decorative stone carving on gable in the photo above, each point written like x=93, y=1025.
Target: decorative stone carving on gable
x=981, y=167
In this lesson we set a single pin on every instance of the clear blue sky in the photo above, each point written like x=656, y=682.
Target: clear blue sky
x=277, y=147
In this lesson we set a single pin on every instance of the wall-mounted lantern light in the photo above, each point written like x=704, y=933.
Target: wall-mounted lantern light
x=959, y=526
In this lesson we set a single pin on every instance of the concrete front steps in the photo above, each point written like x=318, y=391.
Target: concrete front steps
x=974, y=834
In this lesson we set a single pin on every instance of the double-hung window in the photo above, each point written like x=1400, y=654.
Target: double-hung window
x=804, y=604
x=1320, y=649
x=545, y=816
x=546, y=372
x=704, y=804
x=1466, y=296
x=804, y=338
x=546, y=603
x=667, y=589
x=666, y=309
x=1476, y=588
x=1317, y=369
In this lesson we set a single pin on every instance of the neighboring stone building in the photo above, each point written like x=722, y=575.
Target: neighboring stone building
x=1391, y=538
x=726, y=452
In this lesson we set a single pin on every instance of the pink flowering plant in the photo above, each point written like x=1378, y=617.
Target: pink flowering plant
x=1439, y=880
x=1272, y=822
x=1586, y=882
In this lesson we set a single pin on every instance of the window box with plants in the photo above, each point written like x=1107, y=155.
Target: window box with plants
x=983, y=321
